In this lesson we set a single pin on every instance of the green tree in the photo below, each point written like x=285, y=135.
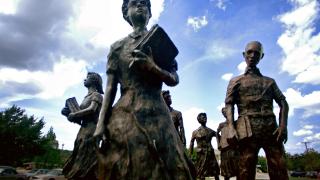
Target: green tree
x=262, y=161
x=20, y=136
x=52, y=156
x=311, y=160
x=307, y=161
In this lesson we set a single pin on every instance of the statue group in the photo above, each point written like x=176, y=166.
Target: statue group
x=142, y=137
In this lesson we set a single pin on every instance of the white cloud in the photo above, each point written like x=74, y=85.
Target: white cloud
x=102, y=22
x=8, y=6
x=197, y=22
x=227, y=76
x=242, y=67
x=310, y=103
x=220, y=106
x=220, y=50
x=315, y=137
x=65, y=74
x=302, y=132
x=221, y=4
x=308, y=127
x=300, y=42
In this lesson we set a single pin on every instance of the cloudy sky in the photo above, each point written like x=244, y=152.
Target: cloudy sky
x=48, y=46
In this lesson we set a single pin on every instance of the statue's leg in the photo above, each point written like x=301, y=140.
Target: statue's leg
x=276, y=162
x=248, y=159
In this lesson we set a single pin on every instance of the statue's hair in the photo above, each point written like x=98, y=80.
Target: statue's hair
x=203, y=113
x=97, y=81
x=125, y=10
x=165, y=92
x=224, y=111
x=255, y=42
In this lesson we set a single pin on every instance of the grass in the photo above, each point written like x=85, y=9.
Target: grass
x=301, y=178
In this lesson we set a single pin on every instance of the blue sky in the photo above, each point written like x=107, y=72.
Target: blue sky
x=47, y=47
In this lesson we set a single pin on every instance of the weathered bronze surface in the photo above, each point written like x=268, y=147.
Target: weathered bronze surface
x=140, y=140
x=256, y=126
x=206, y=162
x=229, y=154
x=176, y=117
x=83, y=163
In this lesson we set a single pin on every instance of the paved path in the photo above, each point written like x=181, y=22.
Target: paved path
x=259, y=176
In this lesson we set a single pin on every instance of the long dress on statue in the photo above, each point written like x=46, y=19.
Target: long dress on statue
x=83, y=162
x=206, y=162
x=142, y=140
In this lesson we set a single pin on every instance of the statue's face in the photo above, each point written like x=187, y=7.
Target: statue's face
x=202, y=119
x=253, y=54
x=88, y=81
x=167, y=99
x=138, y=11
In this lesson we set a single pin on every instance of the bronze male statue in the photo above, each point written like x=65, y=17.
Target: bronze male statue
x=140, y=139
x=206, y=162
x=256, y=127
x=176, y=116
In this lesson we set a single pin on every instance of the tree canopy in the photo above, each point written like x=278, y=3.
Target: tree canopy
x=22, y=139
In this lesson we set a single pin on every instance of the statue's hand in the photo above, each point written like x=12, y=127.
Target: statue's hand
x=98, y=133
x=282, y=134
x=99, y=137
x=142, y=60
x=65, y=111
x=71, y=117
x=232, y=137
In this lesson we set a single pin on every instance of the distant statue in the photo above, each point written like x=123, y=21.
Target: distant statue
x=139, y=140
x=229, y=155
x=206, y=162
x=256, y=126
x=176, y=116
x=83, y=162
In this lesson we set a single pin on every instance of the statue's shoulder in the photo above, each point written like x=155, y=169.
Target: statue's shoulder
x=237, y=78
x=210, y=130
x=268, y=79
x=95, y=96
x=176, y=112
x=118, y=44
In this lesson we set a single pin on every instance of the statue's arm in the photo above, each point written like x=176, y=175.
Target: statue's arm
x=146, y=62
x=281, y=131
x=83, y=112
x=181, y=130
x=108, y=99
x=169, y=78
x=230, y=114
x=191, y=144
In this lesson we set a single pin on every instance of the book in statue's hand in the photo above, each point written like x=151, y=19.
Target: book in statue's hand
x=163, y=49
x=72, y=104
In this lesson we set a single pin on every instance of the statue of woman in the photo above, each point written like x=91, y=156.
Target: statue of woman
x=140, y=140
x=206, y=162
x=83, y=163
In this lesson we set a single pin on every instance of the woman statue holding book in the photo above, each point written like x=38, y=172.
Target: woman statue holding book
x=83, y=163
x=139, y=138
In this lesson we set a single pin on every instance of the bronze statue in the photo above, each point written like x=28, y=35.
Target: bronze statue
x=83, y=162
x=139, y=138
x=176, y=116
x=229, y=154
x=256, y=126
x=206, y=162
